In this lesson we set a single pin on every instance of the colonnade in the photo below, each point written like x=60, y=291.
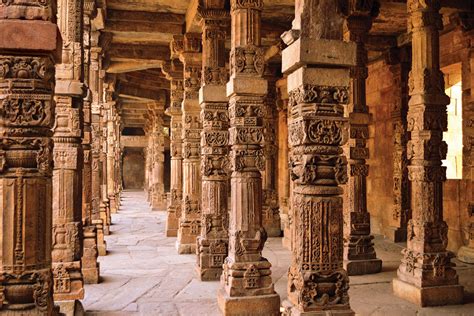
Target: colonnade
x=56, y=201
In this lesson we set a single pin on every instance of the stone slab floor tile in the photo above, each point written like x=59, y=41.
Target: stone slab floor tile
x=143, y=274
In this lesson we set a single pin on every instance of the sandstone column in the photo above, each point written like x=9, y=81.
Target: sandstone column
x=318, y=85
x=26, y=147
x=104, y=206
x=190, y=221
x=157, y=189
x=401, y=213
x=112, y=140
x=96, y=144
x=283, y=172
x=271, y=212
x=213, y=242
x=90, y=266
x=359, y=253
x=246, y=282
x=67, y=156
x=426, y=275
x=174, y=74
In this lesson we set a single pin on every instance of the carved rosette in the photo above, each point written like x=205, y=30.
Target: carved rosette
x=26, y=119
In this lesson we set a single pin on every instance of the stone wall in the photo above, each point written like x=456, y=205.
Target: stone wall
x=133, y=169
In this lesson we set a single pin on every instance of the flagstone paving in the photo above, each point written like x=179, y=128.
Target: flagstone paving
x=143, y=274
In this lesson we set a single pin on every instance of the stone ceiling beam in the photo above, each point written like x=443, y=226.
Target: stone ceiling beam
x=136, y=91
x=143, y=27
x=121, y=66
x=143, y=16
x=151, y=52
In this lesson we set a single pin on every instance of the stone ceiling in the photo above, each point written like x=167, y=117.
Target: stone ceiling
x=141, y=30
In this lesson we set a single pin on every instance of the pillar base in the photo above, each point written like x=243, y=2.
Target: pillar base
x=396, y=234
x=361, y=267
x=68, y=281
x=466, y=254
x=209, y=274
x=185, y=249
x=172, y=233
x=71, y=308
x=91, y=275
x=291, y=310
x=429, y=296
x=262, y=305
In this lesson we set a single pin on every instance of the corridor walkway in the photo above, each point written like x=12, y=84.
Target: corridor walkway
x=143, y=274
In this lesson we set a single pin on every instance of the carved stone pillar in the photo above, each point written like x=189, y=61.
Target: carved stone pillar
x=96, y=144
x=318, y=85
x=67, y=155
x=271, y=221
x=283, y=172
x=112, y=140
x=426, y=276
x=213, y=242
x=359, y=253
x=466, y=253
x=190, y=222
x=26, y=147
x=157, y=189
x=174, y=73
x=401, y=213
x=104, y=205
x=90, y=266
x=246, y=282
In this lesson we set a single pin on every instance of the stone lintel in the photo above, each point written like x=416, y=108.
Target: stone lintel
x=318, y=52
x=429, y=296
x=212, y=93
x=334, y=77
x=17, y=35
x=247, y=86
x=261, y=305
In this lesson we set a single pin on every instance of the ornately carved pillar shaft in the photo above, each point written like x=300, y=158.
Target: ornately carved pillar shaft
x=426, y=275
x=174, y=73
x=190, y=221
x=213, y=242
x=90, y=266
x=401, y=213
x=112, y=140
x=283, y=172
x=67, y=156
x=246, y=282
x=104, y=206
x=318, y=86
x=271, y=212
x=26, y=147
x=96, y=144
x=157, y=189
x=359, y=253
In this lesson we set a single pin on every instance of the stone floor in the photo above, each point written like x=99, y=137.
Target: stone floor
x=143, y=274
